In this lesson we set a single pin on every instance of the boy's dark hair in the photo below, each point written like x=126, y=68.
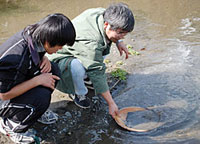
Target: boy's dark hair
x=56, y=29
x=119, y=16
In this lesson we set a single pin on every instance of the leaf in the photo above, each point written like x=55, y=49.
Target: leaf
x=107, y=61
x=119, y=63
x=119, y=73
x=129, y=46
x=143, y=49
x=132, y=52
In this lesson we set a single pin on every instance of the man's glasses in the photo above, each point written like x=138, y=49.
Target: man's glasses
x=121, y=32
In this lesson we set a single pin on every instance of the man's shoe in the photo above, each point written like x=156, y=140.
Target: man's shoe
x=48, y=117
x=19, y=138
x=80, y=100
x=88, y=84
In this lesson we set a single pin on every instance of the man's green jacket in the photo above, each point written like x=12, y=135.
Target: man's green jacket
x=90, y=47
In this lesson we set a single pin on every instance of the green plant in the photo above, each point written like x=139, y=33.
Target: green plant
x=131, y=51
x=107, y=61
x=119, y=73
x=119, y=63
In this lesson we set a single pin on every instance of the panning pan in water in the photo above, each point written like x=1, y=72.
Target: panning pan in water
x=122, y=116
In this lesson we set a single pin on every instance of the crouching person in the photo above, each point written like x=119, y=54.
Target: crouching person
x=27, y=77
x=96, y=29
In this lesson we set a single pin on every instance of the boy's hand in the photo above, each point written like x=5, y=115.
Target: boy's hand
x=47, y=80
x=45, y=65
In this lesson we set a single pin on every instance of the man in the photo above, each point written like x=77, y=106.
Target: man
x=96, y=29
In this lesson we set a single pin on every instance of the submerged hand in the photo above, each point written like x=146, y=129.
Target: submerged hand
x=113, y=110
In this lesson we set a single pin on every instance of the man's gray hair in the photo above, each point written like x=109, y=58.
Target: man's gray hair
x=119, y=16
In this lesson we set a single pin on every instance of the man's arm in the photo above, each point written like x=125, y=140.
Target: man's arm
x=113, y=109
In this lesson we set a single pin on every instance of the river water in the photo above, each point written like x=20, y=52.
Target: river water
x=165, y=76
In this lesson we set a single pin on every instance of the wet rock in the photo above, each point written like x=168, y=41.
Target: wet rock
x=68, y=115
x=79, y=114
x=69, y=133
x=96, y=103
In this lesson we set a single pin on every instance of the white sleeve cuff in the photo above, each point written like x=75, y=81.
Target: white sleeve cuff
x=118, y=41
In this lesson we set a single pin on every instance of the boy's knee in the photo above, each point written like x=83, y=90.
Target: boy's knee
x=43, y=100
x=44, y=104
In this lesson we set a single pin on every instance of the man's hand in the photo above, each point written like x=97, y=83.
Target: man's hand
x=122, y=48
x=113, y=110
x=45, y=65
